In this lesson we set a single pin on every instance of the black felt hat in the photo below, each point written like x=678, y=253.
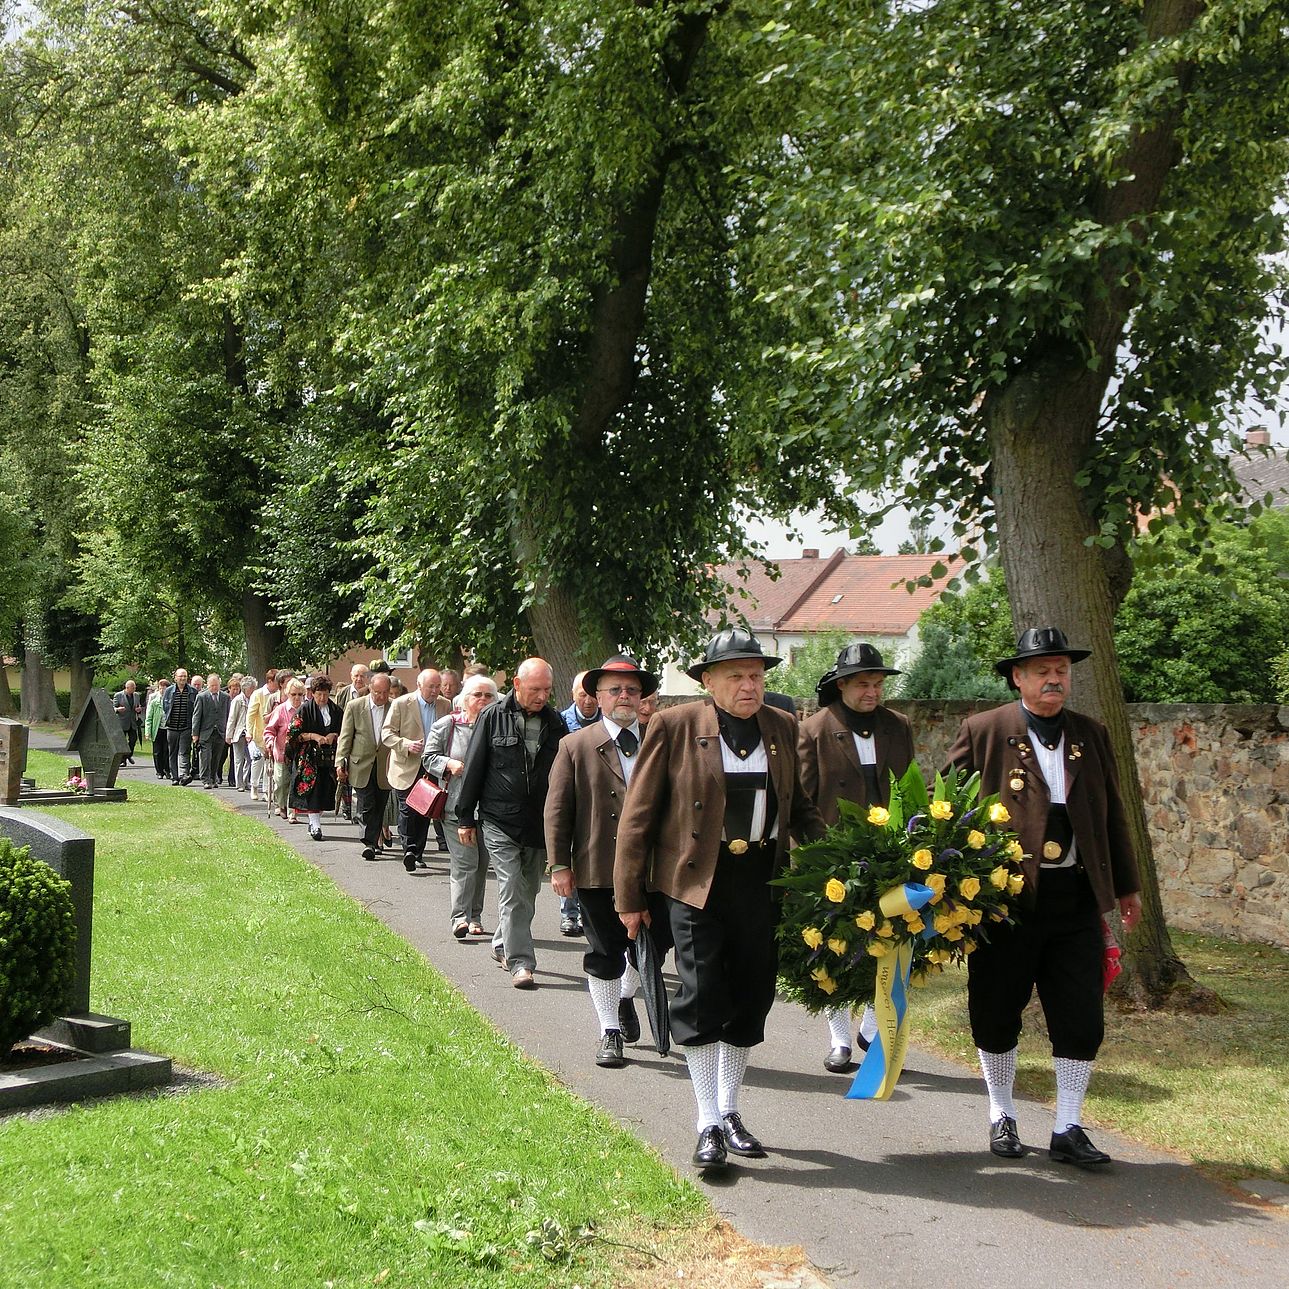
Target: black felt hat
x=731, y=645
x=620, y=665
x=1039, y=642
x=852, y=660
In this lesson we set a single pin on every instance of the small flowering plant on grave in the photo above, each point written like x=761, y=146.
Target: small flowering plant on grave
x=78, y=784
x=844, y=897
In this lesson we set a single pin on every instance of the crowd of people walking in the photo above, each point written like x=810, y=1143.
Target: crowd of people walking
x=670, y=824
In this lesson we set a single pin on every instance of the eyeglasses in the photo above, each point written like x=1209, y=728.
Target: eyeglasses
x=632, y=691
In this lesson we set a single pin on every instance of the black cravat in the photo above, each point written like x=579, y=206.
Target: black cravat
x=1047, y=729
x=627, y=743
x=742, y=734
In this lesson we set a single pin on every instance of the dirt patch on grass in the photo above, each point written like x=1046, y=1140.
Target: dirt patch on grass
x=713, y=1255
x=31, y=1056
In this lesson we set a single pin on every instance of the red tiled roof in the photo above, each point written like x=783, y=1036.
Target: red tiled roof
x=860, y=594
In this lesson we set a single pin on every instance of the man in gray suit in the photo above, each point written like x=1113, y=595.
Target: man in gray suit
x=362, y=760
x=209, y=721
x=129, y=707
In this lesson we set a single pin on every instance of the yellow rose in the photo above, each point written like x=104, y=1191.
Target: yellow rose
x=968, y=946
x=953, y=933
x=1016, y=850
x=974, y=917
x=998, y=878
x=975, y=839
x=943, y=922
x=835, y=891
x=879, y=816
x=999, y=814
x=824, y=980
x=921, y=859
x=941, y=810
x=914, y=926
x=865, y=920
x=886, y=930
x=969, y=888
x=936, y=882
x=1015, y=884
x=813, y=936
x=837, y=946
x=939, y=955
x=879, y=948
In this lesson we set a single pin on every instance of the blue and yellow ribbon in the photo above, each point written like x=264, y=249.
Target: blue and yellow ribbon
x=877, y=1076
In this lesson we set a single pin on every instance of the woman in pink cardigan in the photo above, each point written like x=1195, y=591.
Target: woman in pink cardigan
x=276, y=729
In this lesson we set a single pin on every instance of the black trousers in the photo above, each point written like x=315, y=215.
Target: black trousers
x=132, y=737
x=1057, y=948
x=161, y=754
x=371, y=799
x=415, y=827
x=726, y=955
x=609, y=949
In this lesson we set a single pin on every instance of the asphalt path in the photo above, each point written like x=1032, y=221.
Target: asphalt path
x=877, y=1193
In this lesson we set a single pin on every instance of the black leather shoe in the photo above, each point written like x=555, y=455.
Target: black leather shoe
x=628, y=1020
x=739, y=1140
x=409, y=863
x=570, y=927
x=368, y=853
x=1004, y=1140
x=315, y=833
x=710, y=1151
x=1073, y=1147
x=609, y=1054
x=838, y=1061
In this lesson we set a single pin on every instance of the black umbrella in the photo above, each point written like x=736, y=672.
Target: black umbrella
x=649, y=965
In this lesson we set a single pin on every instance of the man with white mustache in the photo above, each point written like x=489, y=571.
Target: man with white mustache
x=1055, y=773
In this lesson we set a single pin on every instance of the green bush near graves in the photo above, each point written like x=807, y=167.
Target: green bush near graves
x=37, y=944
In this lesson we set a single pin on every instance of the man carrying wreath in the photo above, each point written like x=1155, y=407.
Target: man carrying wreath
x=849, y=749
x=1055, y=772
x=713, y=799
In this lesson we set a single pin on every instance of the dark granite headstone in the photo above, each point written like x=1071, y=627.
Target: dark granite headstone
x=98, y=739
x=106, y=1063
x=13, y=759
x=70, y=853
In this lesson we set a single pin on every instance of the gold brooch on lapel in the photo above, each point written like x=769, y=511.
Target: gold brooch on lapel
x=774, y=751
x=1016, y=785
x=1076, y=751
x=1023, y=748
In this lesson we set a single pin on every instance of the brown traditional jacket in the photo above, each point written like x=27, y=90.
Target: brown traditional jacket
x=830, y=768
x=583, y=802
x=999, y=744
x=670, y=832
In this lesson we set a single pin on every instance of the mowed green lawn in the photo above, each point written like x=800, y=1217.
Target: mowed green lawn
x=373, y=1129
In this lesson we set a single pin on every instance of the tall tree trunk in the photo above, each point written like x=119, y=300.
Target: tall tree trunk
x=263, y=642
x=1041, y=428
x=82, y=677
x=558, y=639
x=6, y=694
x=38, y=700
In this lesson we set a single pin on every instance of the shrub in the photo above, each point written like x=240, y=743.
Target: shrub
x=37, y=944
x=1280, y=676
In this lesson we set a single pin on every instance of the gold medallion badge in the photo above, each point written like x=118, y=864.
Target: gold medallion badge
x=738, y=846
x=1051, y=850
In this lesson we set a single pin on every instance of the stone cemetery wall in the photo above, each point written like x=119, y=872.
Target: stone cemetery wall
x=1216, y=785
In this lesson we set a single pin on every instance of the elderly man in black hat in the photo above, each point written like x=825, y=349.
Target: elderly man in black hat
x=716, y=793
x=1057, y=777
x=849, y=749
x=588, y=784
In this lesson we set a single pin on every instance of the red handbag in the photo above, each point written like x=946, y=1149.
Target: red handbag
x=427, y=798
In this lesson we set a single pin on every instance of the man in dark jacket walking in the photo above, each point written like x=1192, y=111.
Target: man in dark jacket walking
x=503, y=793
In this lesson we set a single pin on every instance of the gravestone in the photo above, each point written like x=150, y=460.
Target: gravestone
x=98, y=739
x=13, y=759
x=108, y=1064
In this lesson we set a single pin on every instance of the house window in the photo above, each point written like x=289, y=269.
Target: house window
x=403, y=658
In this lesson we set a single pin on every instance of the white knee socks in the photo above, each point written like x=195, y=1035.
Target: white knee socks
x=703, y=1062
x=630, y=982
x=868, y=1024
x=1071, y=1084
x=999, y=1069
x=605, y=995
x=838, y=1026
x=730, y=1072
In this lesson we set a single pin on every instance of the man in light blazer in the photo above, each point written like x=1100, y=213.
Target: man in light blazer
x=706, y=824
x=1056, y=775
x=849, y=749
x=362, y=759
x=406, y=728
x=588, y=785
